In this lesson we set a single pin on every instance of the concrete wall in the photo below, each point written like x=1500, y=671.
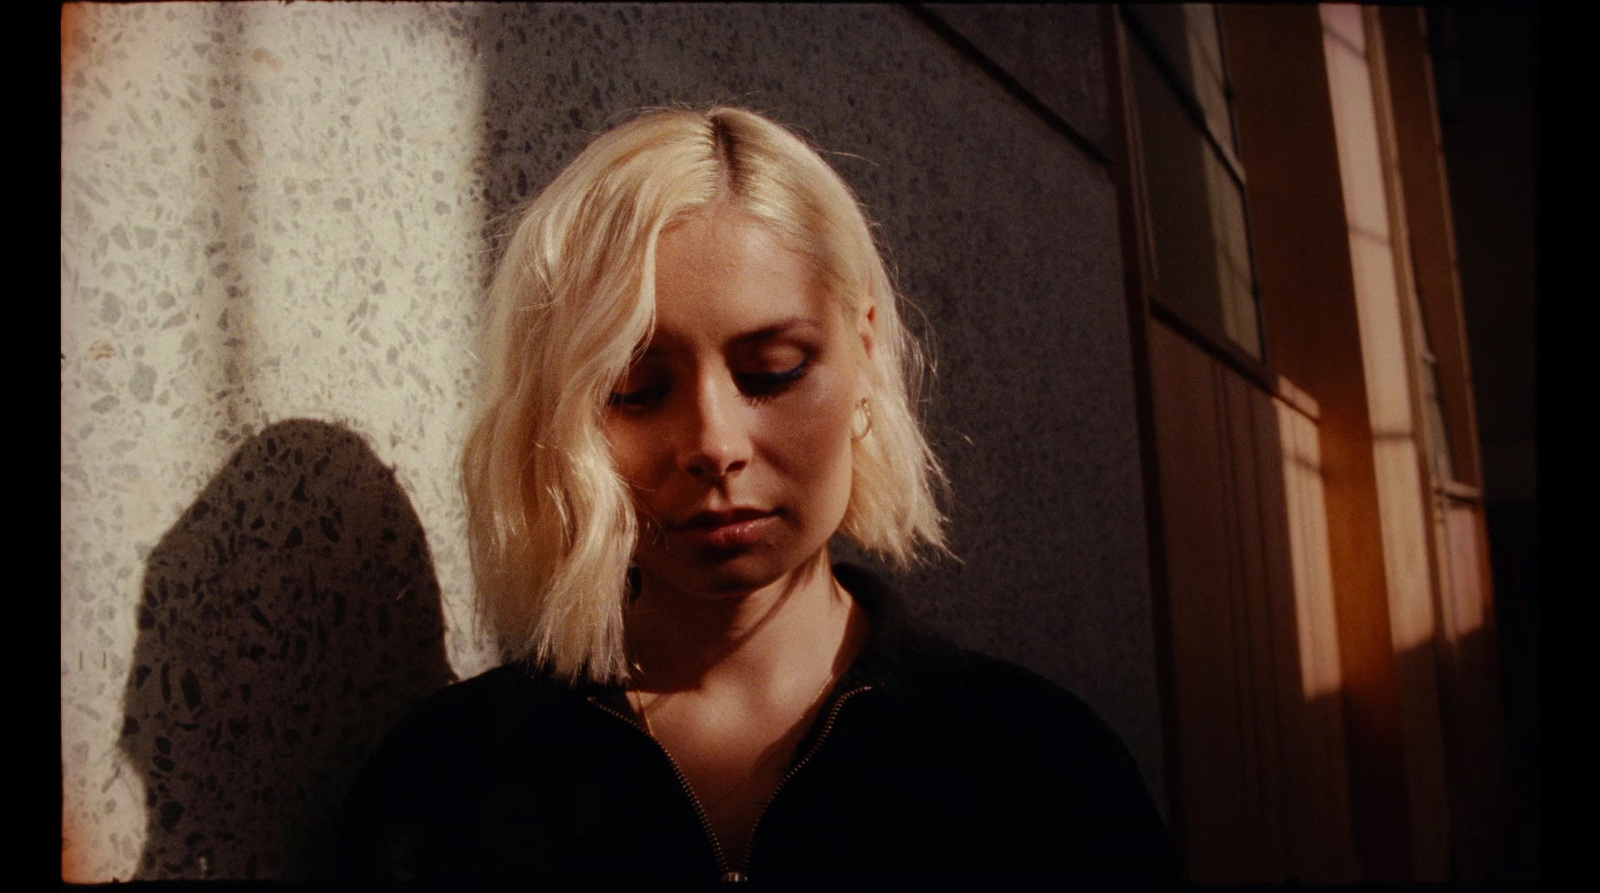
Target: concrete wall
x=273, y=241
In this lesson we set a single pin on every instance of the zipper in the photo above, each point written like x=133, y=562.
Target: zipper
x=743, y=874
x=683, y=782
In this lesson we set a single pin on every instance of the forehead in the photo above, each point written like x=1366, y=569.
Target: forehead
x=721, y=275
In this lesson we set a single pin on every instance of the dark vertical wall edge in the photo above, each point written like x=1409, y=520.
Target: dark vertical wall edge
x=1121, y=170
x=1010, y=84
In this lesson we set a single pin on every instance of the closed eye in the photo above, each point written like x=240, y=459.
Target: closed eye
x=639, y=398
x=756, y=386
x=765, y=385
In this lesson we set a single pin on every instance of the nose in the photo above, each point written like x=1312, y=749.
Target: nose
x=718, y=439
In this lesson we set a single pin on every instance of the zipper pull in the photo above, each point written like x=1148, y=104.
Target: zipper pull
x=735, y=877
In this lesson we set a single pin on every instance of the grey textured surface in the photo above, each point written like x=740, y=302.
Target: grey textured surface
x=288, y=619
x=1054, y=50
x=277, y=215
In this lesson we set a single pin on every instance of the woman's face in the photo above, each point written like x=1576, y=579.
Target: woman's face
x=734, y=428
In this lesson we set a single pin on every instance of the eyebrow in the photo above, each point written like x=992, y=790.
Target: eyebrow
x=757, y=336
x=780, y=327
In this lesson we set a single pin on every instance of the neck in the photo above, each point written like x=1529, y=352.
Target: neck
x=761, y=640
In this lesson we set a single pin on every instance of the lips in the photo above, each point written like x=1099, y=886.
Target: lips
x=738, y=528
x=713, y=520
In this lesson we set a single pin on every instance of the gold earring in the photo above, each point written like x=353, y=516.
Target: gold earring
x=863, y=409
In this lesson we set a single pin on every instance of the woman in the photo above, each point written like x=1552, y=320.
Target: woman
x=699, y=376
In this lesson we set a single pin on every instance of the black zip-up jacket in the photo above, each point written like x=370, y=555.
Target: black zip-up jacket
x=930, y=765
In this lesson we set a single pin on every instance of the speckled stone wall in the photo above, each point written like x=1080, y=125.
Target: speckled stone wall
x=274, y=231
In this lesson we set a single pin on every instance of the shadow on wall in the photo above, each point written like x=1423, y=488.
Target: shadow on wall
x=289, y=618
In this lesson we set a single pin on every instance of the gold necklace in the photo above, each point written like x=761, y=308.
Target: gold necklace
x=828, y=683
x=711, y=806
x=638, y=671
x=644, y=714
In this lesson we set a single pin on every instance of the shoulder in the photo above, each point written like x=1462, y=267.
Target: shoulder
x=443, y=764
x=1009, y=702
x=998, y=686
x=1049, y=775
x=464, y=726
x=1006, y=723
x=492, y=697
x=514, y=686
x=1030, y=748
x=903, y=659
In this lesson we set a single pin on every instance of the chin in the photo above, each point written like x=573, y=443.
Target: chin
x=745, y=573
x=729, y=574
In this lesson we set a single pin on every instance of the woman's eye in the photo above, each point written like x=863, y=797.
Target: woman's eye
x=770, y=384
x=639, y=398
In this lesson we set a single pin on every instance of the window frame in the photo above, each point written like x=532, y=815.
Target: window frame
x=1135, y=35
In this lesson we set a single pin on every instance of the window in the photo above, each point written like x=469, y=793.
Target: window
x=1197, y=247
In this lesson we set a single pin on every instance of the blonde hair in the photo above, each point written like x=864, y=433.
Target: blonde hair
x=551, y=523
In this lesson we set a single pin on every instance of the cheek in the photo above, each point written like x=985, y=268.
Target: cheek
x=811, y=438
x=630, y=451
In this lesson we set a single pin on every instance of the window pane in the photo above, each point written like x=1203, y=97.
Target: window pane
x=1234, y=283
x=1186, y=36
x=1205, y=67
x=1200, y=258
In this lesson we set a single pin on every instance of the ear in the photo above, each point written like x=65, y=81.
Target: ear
x=867, y=328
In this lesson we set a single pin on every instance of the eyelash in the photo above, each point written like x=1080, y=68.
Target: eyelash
x=760, y=386
x=636, y=400
x=757, y=387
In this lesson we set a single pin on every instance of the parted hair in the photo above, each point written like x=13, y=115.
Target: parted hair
x=551, y=524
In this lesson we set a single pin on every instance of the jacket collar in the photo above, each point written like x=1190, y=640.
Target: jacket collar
x=893, y=643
